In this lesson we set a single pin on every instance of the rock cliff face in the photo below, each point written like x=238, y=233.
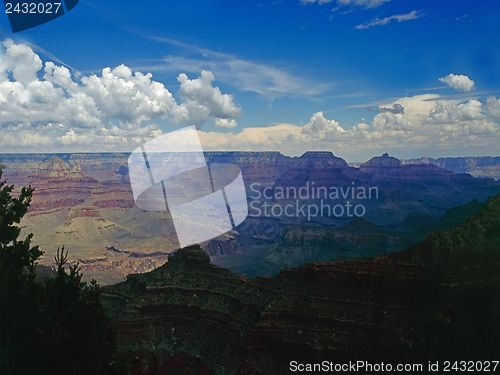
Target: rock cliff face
x=81, y=203
x=260, y=167
x=437, y=300
x=187, y=305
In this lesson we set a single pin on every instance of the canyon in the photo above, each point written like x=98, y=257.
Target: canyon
x=84, y=202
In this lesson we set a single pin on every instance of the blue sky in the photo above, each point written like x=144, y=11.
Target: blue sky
x=283, y=61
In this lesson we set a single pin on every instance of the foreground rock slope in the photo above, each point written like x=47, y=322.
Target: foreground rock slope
x=438, y=299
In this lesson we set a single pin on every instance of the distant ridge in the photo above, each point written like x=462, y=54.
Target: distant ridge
x=382, y=161
x=477, y=166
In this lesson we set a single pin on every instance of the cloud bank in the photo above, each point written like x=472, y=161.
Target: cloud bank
x=44, y=105
x=427, y=124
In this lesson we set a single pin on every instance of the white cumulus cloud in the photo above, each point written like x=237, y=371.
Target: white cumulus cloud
x=202, y=100
x=44, y=104
x=226, y=123
x=458, y=82
x=493, y=106
x=321, y=128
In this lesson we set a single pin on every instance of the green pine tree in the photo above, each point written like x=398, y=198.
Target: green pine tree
x=54, y=326
x=18, y=288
